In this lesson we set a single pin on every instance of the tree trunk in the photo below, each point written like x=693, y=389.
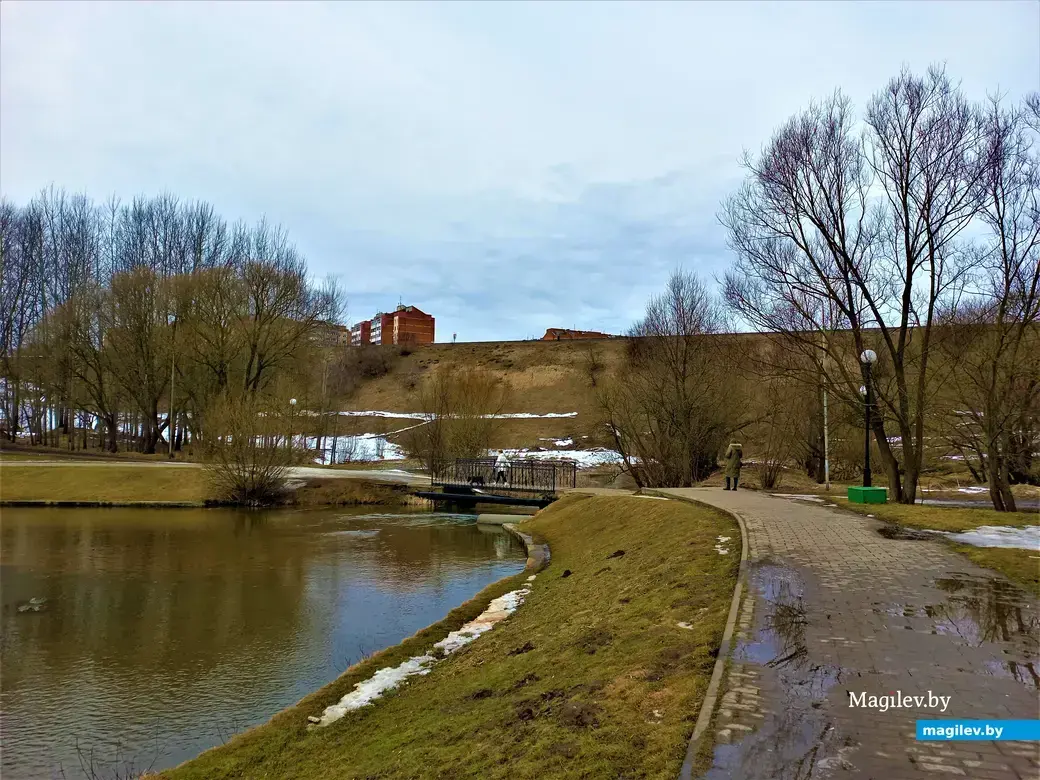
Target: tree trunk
x=888, y=459
x=911, y=473
x=112, y=426
x=999, y=485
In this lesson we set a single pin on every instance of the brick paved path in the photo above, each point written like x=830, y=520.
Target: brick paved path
x=833, y=608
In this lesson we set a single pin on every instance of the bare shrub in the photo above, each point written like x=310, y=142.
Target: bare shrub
x=249, y=449
x=459, y=406
x=674, y=402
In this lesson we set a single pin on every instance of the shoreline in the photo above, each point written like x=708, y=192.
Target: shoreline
x=538, y=555
x=610, y=657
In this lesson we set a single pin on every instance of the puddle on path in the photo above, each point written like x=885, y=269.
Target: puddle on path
x=797, y=738
x=979, y=610
x=890, y=531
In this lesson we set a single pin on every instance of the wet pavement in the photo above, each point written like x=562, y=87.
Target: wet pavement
x=836, y=610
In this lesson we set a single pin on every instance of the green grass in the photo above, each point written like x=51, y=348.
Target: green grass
x=1021, y=566
x=590, y=678
x=102, y=482
x=939, y=518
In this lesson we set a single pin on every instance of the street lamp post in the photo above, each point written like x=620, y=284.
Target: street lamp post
x=292, y=409
x=868, y=358
x=173, y=375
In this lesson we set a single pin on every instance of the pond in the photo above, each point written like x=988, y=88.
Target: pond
x=134, y=639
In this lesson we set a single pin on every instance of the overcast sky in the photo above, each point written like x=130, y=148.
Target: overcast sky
x=505, y=167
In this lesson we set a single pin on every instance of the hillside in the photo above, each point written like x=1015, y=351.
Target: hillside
x=543, y=376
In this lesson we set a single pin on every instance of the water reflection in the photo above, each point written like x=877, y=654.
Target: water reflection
x=988, y=609
x=798, y=738
x=171, y=627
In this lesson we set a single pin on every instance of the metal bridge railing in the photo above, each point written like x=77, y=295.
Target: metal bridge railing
x=542, y=476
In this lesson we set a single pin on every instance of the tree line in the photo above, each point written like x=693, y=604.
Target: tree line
x=130, y=324
x=912, y=229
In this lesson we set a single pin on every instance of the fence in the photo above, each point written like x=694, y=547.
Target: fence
x=541, y=476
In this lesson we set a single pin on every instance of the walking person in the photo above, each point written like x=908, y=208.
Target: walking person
x=734, y=458
x=501, y=466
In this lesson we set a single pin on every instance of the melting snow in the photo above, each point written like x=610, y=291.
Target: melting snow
x=362, y=448
x=655, y=498
x=425, y=416
x=367, y=691
x=1027, y=538
x=586, y=459
x=974, y=489
x=721, y=548
x=687, y=626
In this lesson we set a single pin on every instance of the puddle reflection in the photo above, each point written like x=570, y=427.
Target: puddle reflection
x=797, y=740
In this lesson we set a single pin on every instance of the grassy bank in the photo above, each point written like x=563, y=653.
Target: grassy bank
x=1021, y=566
x=102, y=482
x=592, y=677
x=351, y=492
x=115, y=483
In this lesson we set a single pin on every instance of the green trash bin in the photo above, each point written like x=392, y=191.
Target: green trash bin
x=868, y=495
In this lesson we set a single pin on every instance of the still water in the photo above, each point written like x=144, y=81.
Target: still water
x=138, y=638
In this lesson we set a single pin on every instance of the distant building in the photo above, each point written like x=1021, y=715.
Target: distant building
x=563, y=334
x=405, y=325
x=361, y=334
x=332, y=335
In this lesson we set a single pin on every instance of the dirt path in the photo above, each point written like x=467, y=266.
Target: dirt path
x=834, y=609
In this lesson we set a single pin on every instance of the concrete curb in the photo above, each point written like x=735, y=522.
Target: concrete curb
x=711, y=696
x=537, y=552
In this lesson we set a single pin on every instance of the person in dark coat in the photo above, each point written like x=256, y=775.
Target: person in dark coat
x=734, y=458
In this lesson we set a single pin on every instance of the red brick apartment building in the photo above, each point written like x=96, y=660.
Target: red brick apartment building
x=405, y=325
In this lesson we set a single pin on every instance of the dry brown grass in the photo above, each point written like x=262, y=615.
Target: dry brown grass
x=103, y=482
x=350, y=492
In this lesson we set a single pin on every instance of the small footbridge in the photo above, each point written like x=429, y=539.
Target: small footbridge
x=466, y=482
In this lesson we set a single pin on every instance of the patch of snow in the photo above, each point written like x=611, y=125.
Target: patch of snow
x=799, y=496
x=685, y=625
x=532, y=578
x=424, y=415
x=367, y=691
x=388, y=678
x=973, y=490
x=655, y=498
x=720, y=547
x=586, y=459
x=1027, y=538
x=362, y=448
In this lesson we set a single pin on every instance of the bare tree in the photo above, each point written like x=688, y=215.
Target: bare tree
x=674, y=402
x=461, y=408
x=993, y=337
x=283, y=310
x=847, y=241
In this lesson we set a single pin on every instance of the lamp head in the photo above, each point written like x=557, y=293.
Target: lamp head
x=862, y=389
x=868, y=356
